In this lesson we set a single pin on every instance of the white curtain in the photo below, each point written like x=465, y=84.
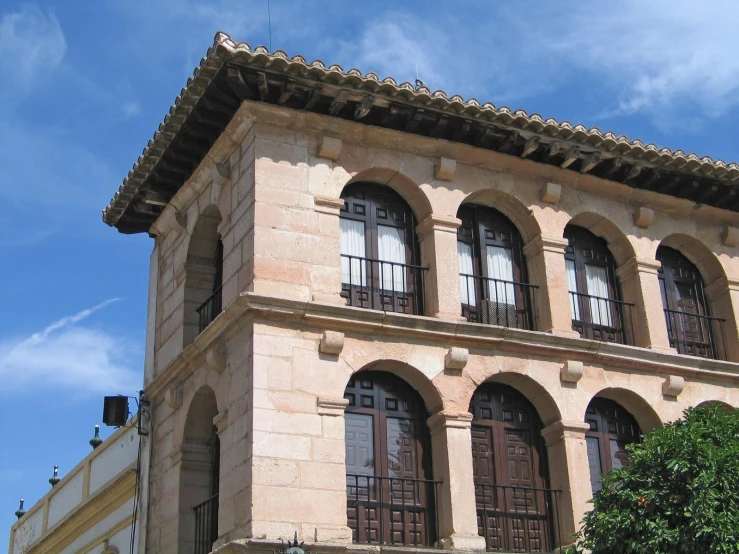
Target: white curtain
x=466, y=284
x=600, y=308
x=391, y=248
x=572, y=287
x=352, y=243
x=500, y=266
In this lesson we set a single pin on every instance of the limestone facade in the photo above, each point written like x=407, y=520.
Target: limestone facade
x=266, y=379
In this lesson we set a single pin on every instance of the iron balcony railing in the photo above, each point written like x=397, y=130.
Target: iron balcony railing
x=206, y=525
x=381, y=285
x=598, y=318
x=392, y=510
x=498, y=302
x=518, y=519
x=696, y=335
x=209, y=310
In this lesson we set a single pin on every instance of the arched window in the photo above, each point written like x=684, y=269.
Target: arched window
x=199, y=478
x=514, y=503
x=493, y=285
x=595, y=300
x=611, y=429
x=203, y=275
x=690, y=327
x=379, y=252
x=390, y=494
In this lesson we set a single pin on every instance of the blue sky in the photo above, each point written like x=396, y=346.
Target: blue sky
x=83, y=86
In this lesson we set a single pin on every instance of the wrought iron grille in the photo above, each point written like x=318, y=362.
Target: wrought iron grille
x=498, y=302
x=603, y=319
x=696, y=335
x=206, y=525
x=381, y=285
x=517, y=519
x=391, y=510
x=208, y=310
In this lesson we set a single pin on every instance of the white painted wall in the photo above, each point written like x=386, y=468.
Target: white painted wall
x=28, y=532
x=67, y=495
x=98, y=532
x=114, y=459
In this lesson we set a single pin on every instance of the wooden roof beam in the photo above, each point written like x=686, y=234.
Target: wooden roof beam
x=262, y=86
x=590, y=161
x=439, y=129
x=235, y=80
x=364, y=107
x=571, y=156
x=286, y=91
x=338, y=102
x=313, y=97
x=462, y=131
x=531, y=145
x=415, y=120
x=633, y=172
x=616, y=164
x=155, y=198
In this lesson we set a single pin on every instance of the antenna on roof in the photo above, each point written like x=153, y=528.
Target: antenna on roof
x=269, y=24
x=419, y=82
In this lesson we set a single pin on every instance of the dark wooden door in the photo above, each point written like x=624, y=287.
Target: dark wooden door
x=513, y=509
x=683, y=297
x=611, y=429
x=388, y=287
x=387, y=462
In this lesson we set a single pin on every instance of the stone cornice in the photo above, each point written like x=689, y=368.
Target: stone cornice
x=328, y=204
x=249, y=306
x=542, y=243
x=438, y=223
x=560, y=430
x=638, y=265
x=447, y=419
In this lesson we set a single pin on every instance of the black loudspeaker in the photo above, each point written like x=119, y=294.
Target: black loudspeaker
x=115, y=411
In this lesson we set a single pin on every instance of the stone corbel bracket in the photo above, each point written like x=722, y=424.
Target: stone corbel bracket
x=178, y=222
x=643, y=217
x=329, y=148
x=729, y=236
x=221, y=173
x=571, y=371
x=444, y=169
x=215, y=357
x=221, y=421
x=332, y=342
x=673, y=385
x=331, y=406
x=551, y=192
x=173, y=396
x=455, y=360
x=328, y=204
x=449, y=419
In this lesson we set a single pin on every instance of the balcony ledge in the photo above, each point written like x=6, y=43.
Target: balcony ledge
x=250, y=306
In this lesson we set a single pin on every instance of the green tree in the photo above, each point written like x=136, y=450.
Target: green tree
x=679, y=495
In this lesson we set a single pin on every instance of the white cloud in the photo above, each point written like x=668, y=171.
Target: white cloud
x=130, y=109
x=32, y=45
x=79, y=359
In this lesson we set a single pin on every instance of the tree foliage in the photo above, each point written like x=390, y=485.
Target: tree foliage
x=679, y=495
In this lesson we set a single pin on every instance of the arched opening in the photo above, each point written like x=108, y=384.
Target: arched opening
x=390, y=495
x=612, y=427
x=514, y=502
x=596, y=306
x=690, y=326
x=380, y=256
x=203, y=274
x=493, y=281
x=199, y=476
x=722, y=405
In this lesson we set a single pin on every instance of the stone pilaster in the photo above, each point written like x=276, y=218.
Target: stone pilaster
x=569, y=472
x=546, y=264
x=640, y=286
x=723, y=297
x=438, y=238
x=451, y=446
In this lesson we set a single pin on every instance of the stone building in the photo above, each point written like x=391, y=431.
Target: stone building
x=90, y=510
x=383, y=315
